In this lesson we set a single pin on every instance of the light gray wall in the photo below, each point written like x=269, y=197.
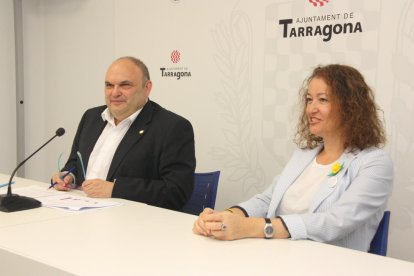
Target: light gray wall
x=242, y=92
x=8, y=88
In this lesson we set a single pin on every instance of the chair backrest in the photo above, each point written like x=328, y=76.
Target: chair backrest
x=380, y=241
x=204, y=193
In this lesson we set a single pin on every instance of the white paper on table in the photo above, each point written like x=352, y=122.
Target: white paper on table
x=64, y=200
x=75, y=203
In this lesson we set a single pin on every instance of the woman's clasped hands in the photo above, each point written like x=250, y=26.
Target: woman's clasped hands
x=222, y=225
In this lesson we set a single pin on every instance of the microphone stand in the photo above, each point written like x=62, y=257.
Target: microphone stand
x=13, y=202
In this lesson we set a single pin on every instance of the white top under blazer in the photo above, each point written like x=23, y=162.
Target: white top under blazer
x=299, y=196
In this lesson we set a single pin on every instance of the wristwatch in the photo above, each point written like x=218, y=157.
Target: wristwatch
x=268, y=229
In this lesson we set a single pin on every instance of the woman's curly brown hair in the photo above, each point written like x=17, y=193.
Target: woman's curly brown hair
x=356, y=104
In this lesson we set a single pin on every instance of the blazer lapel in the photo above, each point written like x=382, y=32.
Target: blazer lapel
x=133, y=135
x=93, y=136
x=331, y=182
x=293, y=169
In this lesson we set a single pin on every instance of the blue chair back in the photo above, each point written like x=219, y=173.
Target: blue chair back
x=204, y=193
x=380, y=241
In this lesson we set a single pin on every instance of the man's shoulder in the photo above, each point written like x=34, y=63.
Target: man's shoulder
x=96, y=109
x=165, y=114
x=93, y=114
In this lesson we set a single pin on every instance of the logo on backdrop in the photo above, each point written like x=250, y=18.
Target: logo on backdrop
x=324, y=26
x=177, y=72
x=175, y=56
x=319, y=3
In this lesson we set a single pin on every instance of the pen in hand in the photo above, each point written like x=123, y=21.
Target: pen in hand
x=62, y=177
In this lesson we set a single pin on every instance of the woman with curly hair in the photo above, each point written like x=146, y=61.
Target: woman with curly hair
x=336, y=186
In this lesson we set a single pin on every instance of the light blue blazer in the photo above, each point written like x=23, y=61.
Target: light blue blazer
x=347, y=207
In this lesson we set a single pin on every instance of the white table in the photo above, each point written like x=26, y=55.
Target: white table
x=137, y=239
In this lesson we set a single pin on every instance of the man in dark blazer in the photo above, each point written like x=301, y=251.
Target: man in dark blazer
x=132, y=148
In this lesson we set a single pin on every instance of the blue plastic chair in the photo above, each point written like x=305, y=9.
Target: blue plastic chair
x=380, y=241
x=204, y=193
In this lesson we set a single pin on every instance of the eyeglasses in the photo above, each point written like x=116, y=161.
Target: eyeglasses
x=6, y=184
x=82, y=165
x=59, y=164
x=80, y=159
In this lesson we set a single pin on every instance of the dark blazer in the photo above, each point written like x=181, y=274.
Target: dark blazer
x=153, y=164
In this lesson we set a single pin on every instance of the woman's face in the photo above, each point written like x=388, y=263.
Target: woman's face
x=321, y=109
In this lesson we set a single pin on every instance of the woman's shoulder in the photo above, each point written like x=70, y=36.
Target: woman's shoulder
x=372, y=157
x=373, y=152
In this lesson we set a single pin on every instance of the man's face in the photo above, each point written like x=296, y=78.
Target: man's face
x=125, y=91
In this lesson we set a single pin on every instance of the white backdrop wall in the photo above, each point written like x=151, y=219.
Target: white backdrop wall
x=8, y=88
x=242, y=92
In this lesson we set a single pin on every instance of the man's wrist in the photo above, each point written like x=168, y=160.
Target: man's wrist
x=74, y=178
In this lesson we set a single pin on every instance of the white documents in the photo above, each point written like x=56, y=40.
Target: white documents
x=64, y=200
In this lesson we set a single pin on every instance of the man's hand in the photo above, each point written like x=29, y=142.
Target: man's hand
x=62, y=184
x=98, y=188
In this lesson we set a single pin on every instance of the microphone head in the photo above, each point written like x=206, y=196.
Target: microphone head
x=60, y=131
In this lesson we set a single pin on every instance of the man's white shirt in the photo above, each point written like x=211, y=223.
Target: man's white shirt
x=102, y=154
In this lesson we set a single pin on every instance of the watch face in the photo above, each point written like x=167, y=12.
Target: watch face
x=269, y=230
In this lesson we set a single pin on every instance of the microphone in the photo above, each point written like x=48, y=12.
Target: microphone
x=13, y=202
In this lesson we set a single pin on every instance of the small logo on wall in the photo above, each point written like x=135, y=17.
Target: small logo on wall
x=321, y=25
x=175, y=72
x=319, y=3
x=175, y=56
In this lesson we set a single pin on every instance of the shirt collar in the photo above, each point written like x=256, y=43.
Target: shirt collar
x=107, y=116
